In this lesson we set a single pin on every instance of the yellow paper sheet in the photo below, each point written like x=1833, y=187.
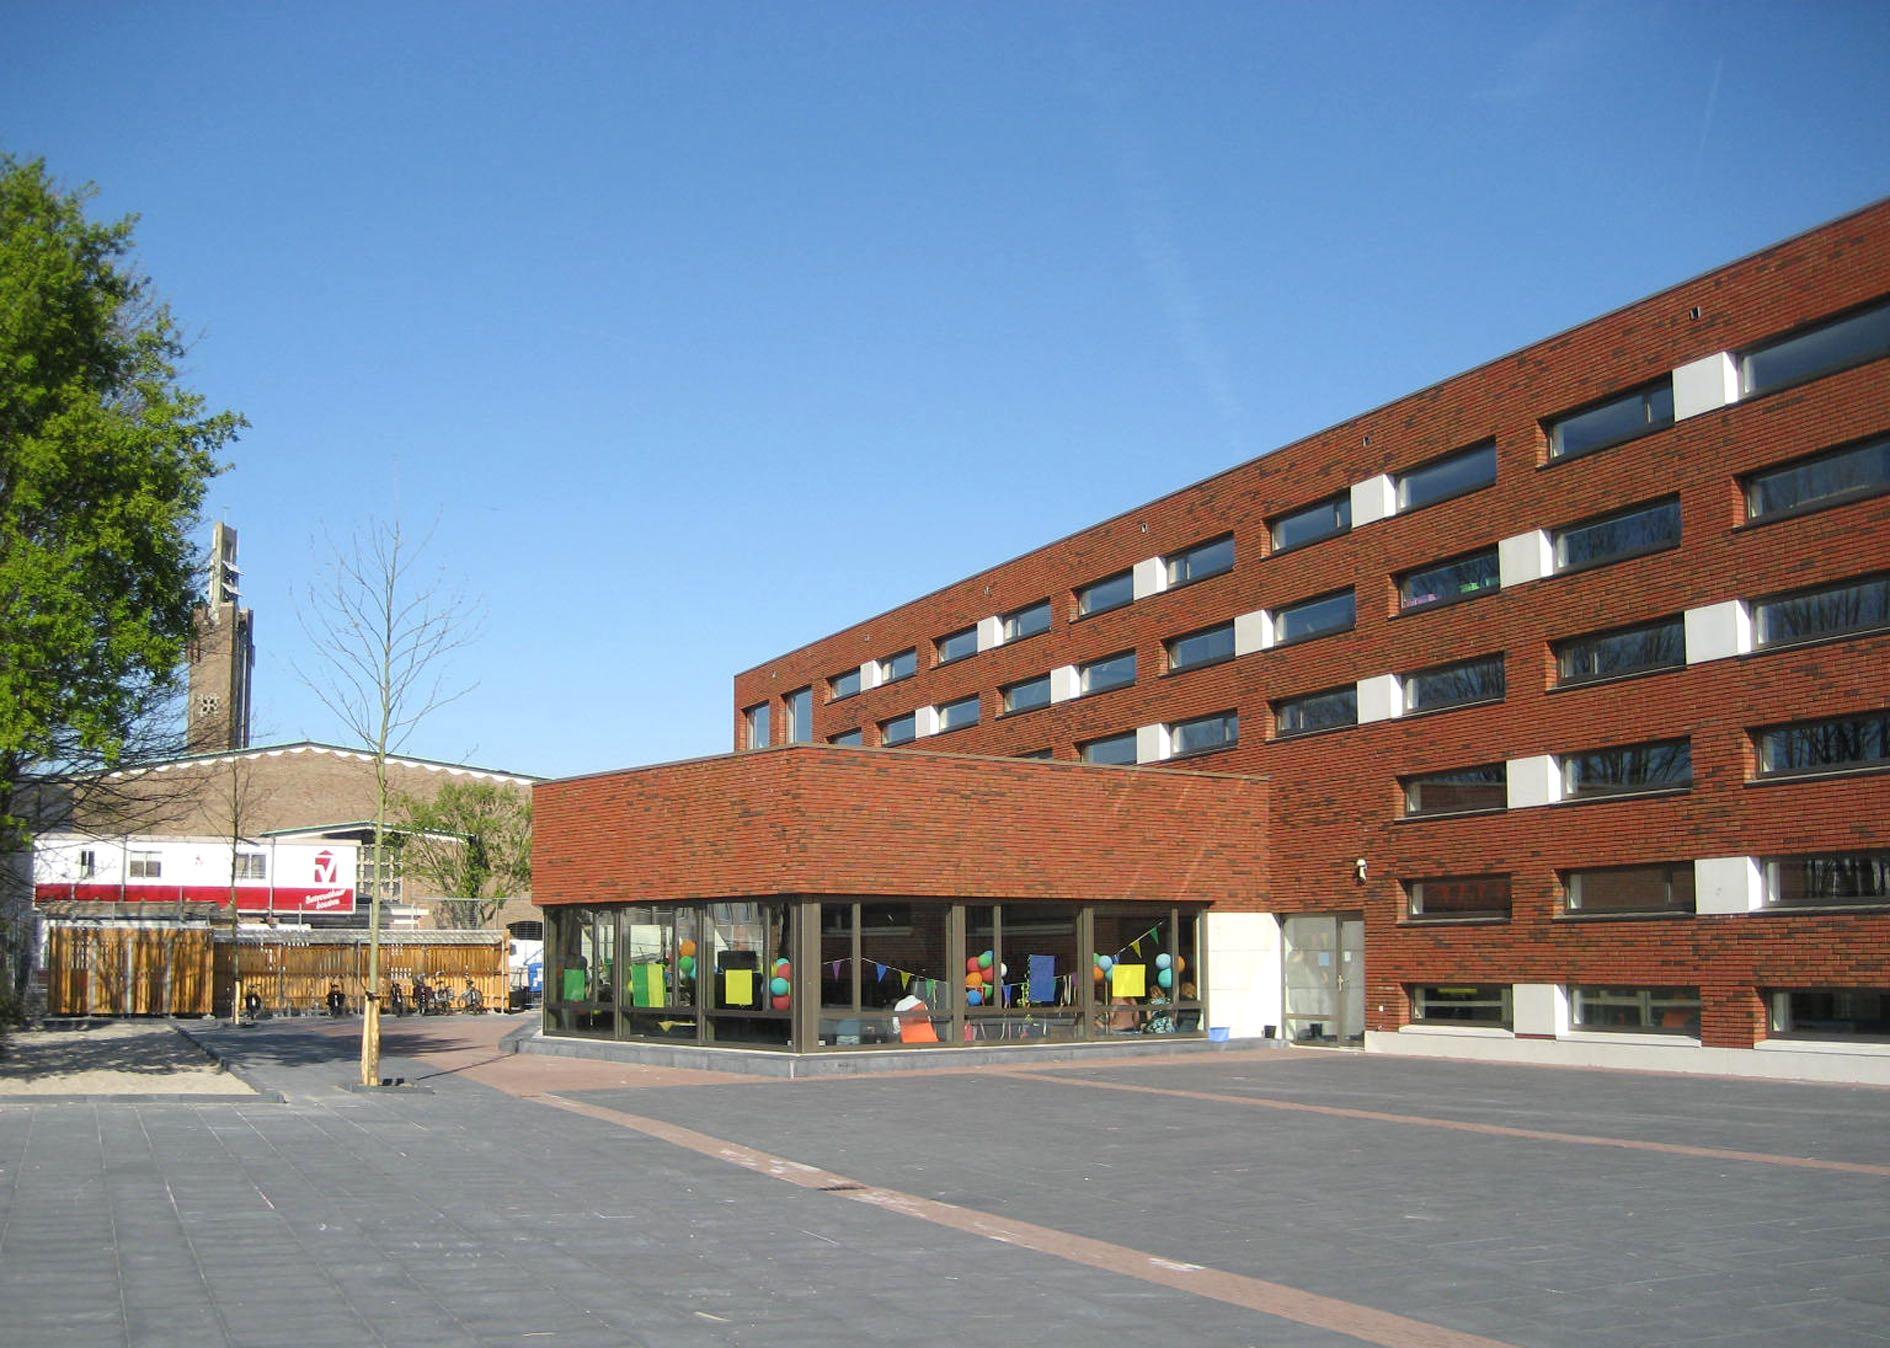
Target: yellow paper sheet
x=1129, y=980
x=739, y=987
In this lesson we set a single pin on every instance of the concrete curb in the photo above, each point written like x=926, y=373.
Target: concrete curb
x=223, y=1061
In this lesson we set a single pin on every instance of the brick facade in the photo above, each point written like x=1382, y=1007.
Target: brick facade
x=1336, y=795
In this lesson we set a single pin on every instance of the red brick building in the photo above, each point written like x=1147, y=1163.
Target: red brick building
x=1570, y=678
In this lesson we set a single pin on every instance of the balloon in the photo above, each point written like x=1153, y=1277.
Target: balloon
x=984, y=960
x=783, y=969
x=1099, y=960
x=1003, y=969
x=974, y=981
x=688, y=964
x=1107, y=963
x=1165, y=977
x=1163, y=961
x=783, y=1003
x=1096, y=973
x=974, y=998
x=971, y=964
x=778, y=986
x=689, y=948
x=1181, y=964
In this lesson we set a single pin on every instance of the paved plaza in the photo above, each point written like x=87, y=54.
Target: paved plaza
x=1244, y=1197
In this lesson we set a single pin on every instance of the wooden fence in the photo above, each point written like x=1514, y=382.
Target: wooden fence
x=94, y=970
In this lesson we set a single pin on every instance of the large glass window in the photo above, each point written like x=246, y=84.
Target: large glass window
x=581, y=971
x=1315, y=617
x=1807, y=354
x=1626, y=768
x=843, y=685
x=1660, y=887
x=755, y=722
x=1827, y=611
x=1021, y=972
x=1456, y=685
x=885, y=973
x=1110, y=592
x=957, y=715
x=1620, y=418
x=1112, y=671
x=1457, y=791
x=1326, y=519
x=900, y=666
x=1111, y=749
x=1820, y=482
x=747, y=953
x=1830, y=744
x=1462, y=1004
x=800, y=716
x=1458, y=896
x=1452, y=475
x=1209, y=647
x=1656, y=1010
x=1832, y=1013
x=957, y=645
x=1144, y=973
x=1828, y=879
x=1204, y=734
x=1032, y=620
x=1029, y=694
x=1201, y=561
x=1448, y=582
x=1617, y=537
x=1615, y=654
x=1316, y=711
x=899, y=730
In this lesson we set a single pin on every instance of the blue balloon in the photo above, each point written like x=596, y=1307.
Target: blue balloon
x=778, y=986
x=974, y=998
x=1162, y=962
x=1106, y=962
x=1165, y=977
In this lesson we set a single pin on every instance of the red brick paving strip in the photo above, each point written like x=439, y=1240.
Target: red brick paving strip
x=1269, y=1298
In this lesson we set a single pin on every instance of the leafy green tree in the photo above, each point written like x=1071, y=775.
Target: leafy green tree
x=104, y=460
x=473, y=843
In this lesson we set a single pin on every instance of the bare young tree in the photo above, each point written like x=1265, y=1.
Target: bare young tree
x=380, y=631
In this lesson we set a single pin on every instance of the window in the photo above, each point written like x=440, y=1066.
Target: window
x=1828, y=879
x=957, y=645
x=1627, y=768
x=1479, y=1004
x=1208, y=647
x=1619, y=419
x=1204, y=734
x=1452, y=475
x=1112, y=671
x=1459, y=897
x=1028, y=695
x=88, y=863
x=1315, y=618
x=1657, y=1010
x=800, y=716
x=843, y=685
x=1822, y=350
x=899, y=730
x=1622, y=651
x=1448, y=582
x=1828, y=611
x=1831, y=744
x=1615, y=538
x=1102, y=595
x=896, y=667
x=1328, y=519
x=847, y=737
x=1032, y=620
x=1819, y=482
x=144, y=866
x=1832, y=1013
x=1043, y=754
x=1456, y=685
x=1663, y=887
x=755, y=726
x=1114, y=749
x=957, y=715
x=252, y=866
x=1316, y=711
x=1201, y=561
x=1457, y=791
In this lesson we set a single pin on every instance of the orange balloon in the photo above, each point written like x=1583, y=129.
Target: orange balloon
x=1180, y=964
x=1095, y=973
x=688, y=947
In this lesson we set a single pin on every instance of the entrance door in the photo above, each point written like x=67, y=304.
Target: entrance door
x=1325, y=979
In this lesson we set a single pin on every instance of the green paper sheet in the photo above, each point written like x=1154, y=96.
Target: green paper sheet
x=574, y=985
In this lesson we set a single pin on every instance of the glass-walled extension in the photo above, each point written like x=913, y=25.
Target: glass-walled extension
x=833, y=974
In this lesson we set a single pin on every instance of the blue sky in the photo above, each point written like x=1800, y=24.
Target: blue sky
x=703, y=330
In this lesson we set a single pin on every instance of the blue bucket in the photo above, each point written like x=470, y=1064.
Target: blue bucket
x=1217, y=1034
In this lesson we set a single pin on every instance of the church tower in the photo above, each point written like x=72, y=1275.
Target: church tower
x=222, y=655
